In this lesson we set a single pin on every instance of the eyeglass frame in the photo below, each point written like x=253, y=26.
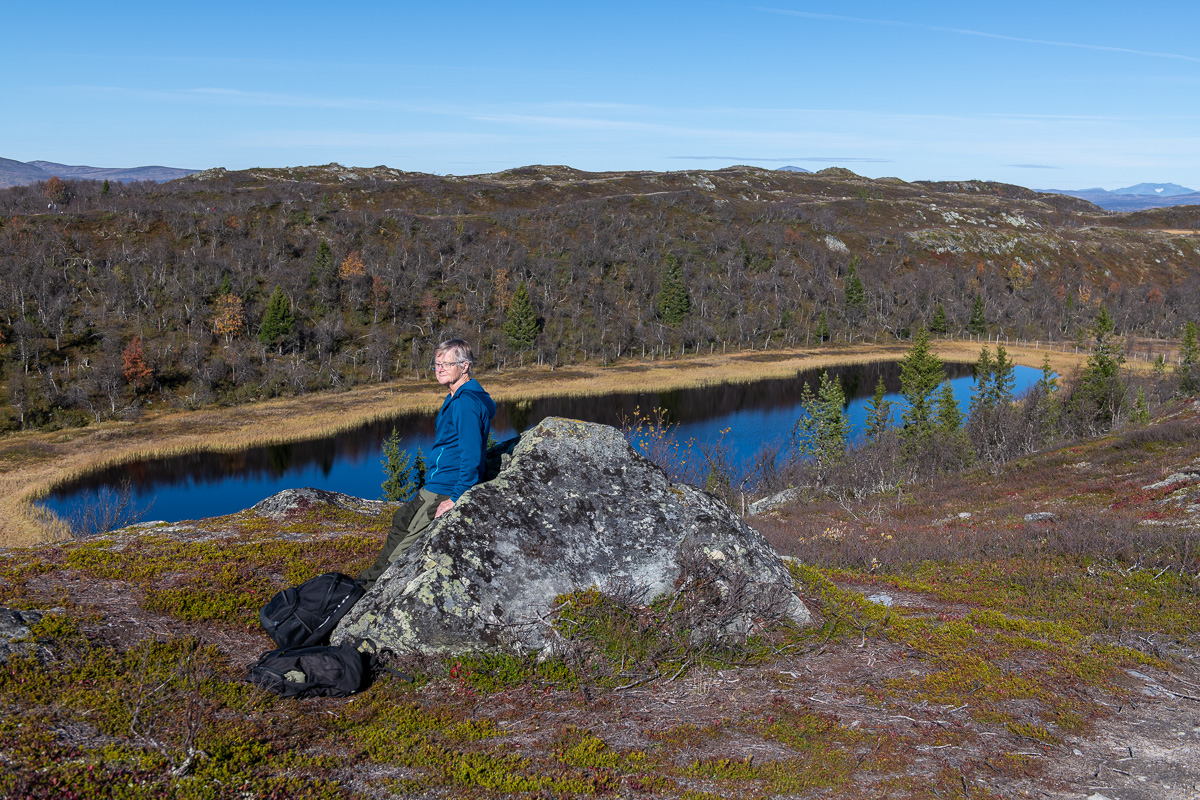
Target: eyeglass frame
x=445, y=365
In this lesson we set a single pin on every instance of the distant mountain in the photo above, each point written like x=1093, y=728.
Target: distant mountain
x=23, y=173
x=794, y=169
x=1137, y=197
x=18, y=173
x=1156, y=189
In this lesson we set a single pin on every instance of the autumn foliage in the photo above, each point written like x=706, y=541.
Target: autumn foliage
x=138, y=373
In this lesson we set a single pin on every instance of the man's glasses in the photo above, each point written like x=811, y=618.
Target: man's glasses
x=444, y=365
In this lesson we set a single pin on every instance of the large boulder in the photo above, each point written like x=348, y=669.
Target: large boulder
x=574, y=507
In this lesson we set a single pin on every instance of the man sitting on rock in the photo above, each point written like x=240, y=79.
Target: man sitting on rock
x=457, y=460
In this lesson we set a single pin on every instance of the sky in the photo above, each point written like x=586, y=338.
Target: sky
x=1044, y=94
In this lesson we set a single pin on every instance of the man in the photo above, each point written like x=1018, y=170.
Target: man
x=456, y=461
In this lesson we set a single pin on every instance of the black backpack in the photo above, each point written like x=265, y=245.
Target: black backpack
x=310, y=671
x=306, y=614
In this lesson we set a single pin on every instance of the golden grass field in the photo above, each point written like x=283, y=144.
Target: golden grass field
x=32, y=463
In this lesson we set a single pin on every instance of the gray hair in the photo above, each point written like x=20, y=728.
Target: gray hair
x=462, y=351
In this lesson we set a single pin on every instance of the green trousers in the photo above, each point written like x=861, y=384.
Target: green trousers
x=408, y=523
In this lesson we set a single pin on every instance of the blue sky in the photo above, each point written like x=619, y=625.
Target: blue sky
x=1042, y=94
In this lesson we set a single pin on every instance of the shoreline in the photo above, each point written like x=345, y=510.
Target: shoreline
x=33, y=463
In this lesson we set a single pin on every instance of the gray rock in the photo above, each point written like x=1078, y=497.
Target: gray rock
x=777, y=499
x=882, y=599
x=1040, y=516
x=291, y=502
x=1171, y=481
x=15, y=633
x=575, y=507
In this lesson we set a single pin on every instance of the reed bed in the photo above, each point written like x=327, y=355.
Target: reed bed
x=34, y=464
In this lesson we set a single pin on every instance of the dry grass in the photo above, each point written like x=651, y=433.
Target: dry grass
x=33, y=463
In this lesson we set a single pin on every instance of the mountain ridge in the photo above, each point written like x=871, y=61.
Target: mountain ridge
x=23, y=173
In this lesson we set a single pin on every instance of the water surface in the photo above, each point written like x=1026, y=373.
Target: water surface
x=210, y=484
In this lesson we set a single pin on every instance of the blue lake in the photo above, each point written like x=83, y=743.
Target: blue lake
x=210, y=484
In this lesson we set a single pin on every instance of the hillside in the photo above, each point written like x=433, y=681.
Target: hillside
x=234, y=286
x=1031, y=632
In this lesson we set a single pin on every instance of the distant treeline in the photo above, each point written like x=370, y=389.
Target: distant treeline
x=228, y=287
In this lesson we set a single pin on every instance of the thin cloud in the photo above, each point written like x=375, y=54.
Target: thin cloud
x=982, y=34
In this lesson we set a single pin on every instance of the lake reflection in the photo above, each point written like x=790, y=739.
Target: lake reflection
x=209, y=484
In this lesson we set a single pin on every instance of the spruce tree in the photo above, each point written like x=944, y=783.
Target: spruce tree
x=981, y=396
x=521, y=326
x=403, y=477
x=1187, y=374
x=1003, y=378
x=822, y=327
x=856, y=295
x=1048, y=383
x=821, y=432
x=977, y=324
x=949, y=417
x=673, y=301
x=939, y=324
x=278, y=320
x=1099, y=396
x=879, y=412
x=921, y=373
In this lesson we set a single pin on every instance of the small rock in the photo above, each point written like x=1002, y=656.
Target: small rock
x=1174, y=480
x=777, y=499
x=293, y=502
x=14, y=628
x=1040, y=516
x=882, y=599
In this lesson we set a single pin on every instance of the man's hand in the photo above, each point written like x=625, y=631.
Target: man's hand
x=443, y=507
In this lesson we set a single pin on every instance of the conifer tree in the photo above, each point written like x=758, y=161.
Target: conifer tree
x=278, y=319
x=1003, y=378
x=921, y=373
x=981, y=395
x=1048, y=383
x=1100, y=396
x=939, y=324
x=949, y=417
x=879, y=412
x=521, y=325
x=977, y=324
x=673, y=301
x=403, y=474
x=822, y=327
x=951, y=449
x=1187, y=374
x=1141, y=409
x=821, y=432
x=856, y=295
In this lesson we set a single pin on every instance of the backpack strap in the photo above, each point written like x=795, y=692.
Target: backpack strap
x=370, y=652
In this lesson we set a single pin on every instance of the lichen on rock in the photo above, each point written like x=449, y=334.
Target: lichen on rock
x=576, y=506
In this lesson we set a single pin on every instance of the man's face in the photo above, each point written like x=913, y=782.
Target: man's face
x=448, y=369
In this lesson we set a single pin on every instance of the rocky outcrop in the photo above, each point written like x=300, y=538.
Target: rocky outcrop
x=295, y=502
x=575, y=507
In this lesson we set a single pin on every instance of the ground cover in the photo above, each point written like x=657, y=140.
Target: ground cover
x=964, y=649
x=32, y=463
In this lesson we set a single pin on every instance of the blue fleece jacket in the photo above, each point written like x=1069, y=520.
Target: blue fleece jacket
x=459, y=455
